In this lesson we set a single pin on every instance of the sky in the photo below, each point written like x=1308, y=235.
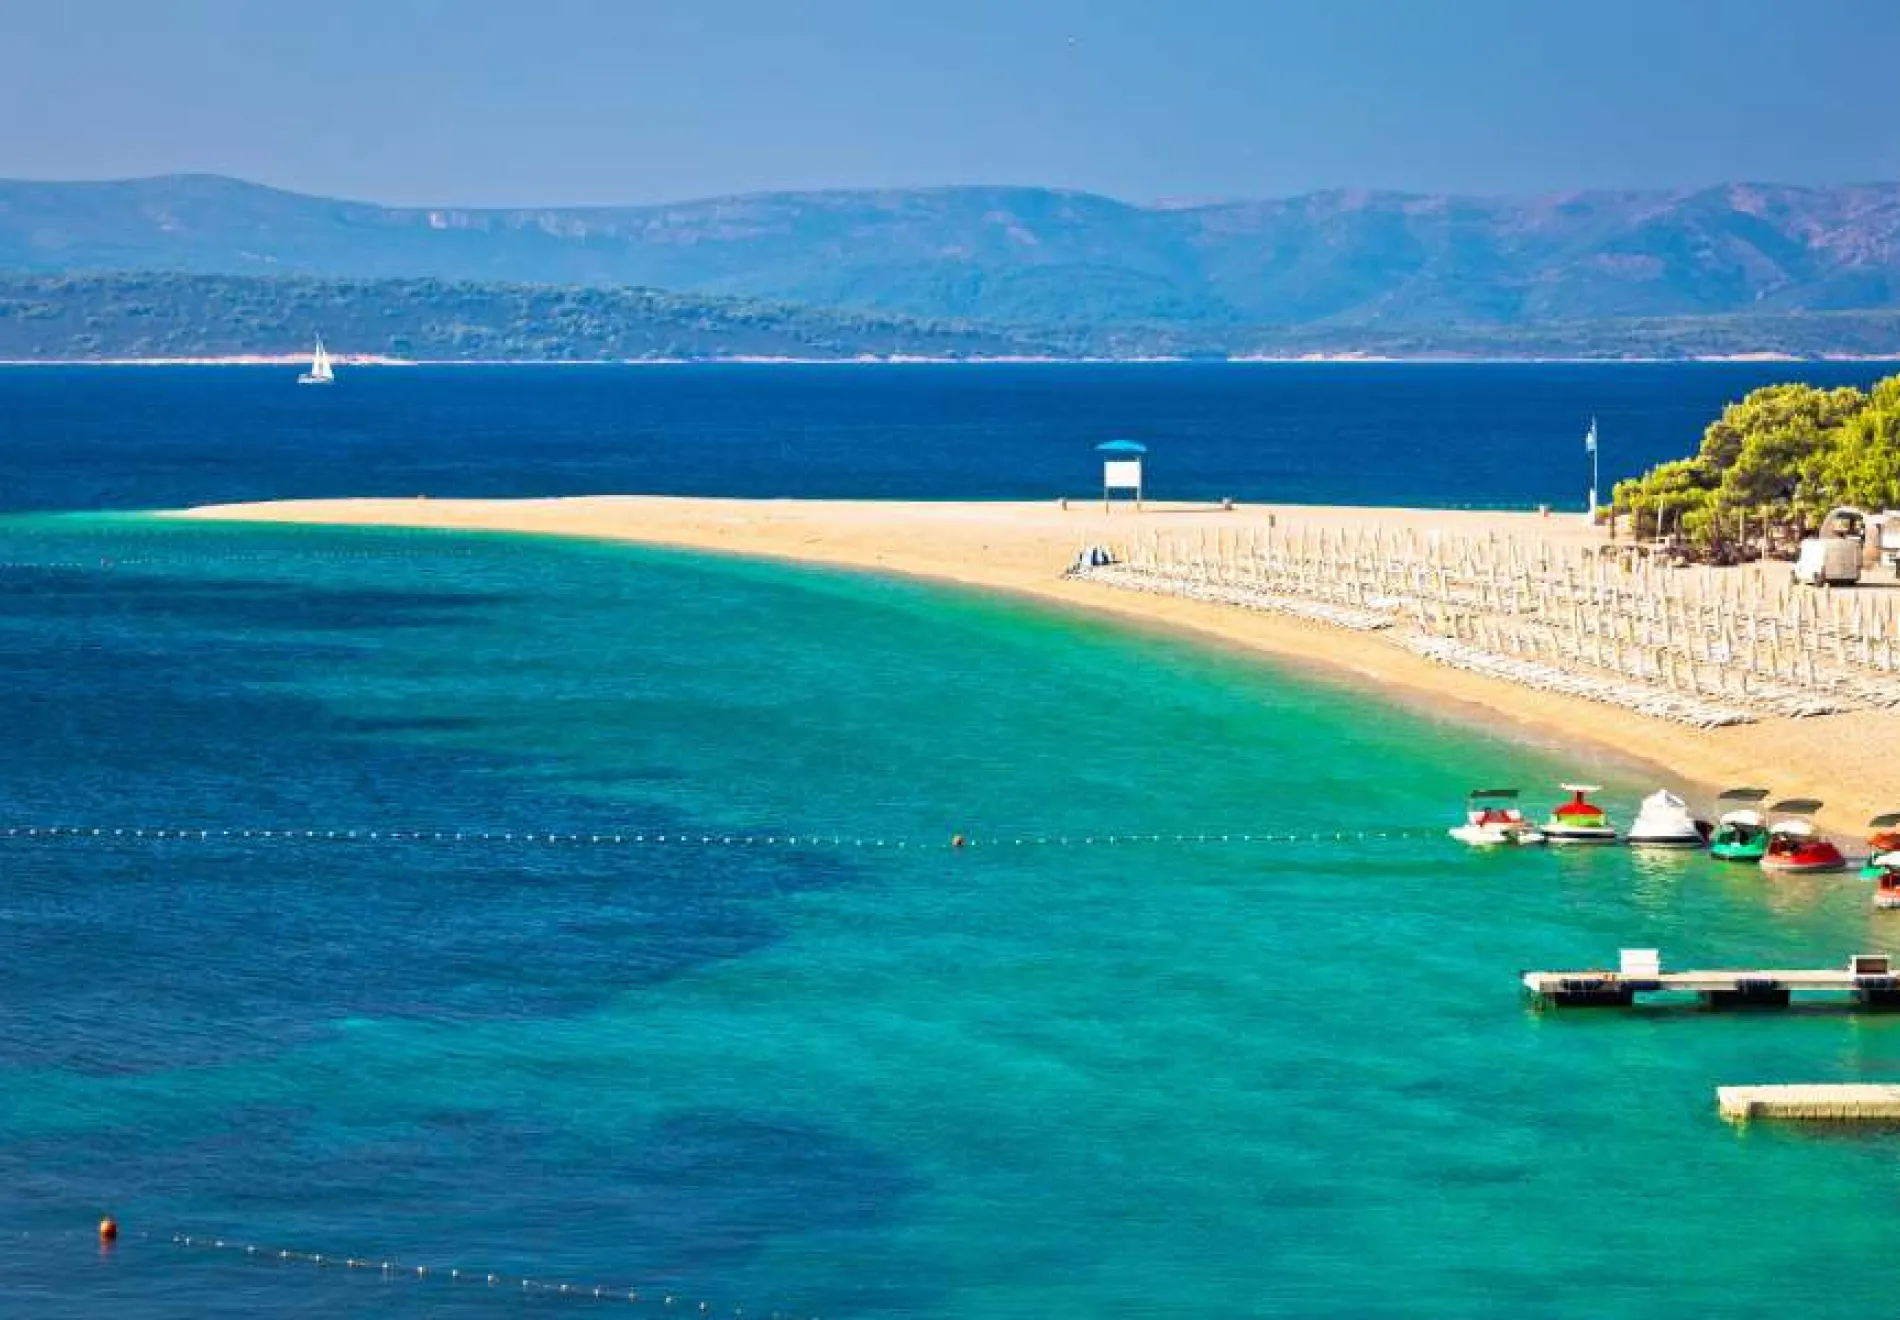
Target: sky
x=565, y=102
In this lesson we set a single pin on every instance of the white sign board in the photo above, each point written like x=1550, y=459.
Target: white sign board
x=1122, y=474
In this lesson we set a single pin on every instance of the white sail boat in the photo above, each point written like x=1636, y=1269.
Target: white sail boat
x=319, y=373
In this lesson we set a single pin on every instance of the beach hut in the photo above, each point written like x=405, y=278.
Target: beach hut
x=1121, y=468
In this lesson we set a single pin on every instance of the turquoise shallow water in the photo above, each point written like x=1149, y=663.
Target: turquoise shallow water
x=1015, y=1080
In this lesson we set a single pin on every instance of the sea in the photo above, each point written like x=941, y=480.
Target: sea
x=403, y=924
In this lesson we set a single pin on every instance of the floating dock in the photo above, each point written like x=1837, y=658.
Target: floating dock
x=1841, y=1102
x=1867, y=981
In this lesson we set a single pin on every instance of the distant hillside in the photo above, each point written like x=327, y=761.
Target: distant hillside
x=57, y=317
x=1809, y=335
x=1034, y=256
x=169, y=315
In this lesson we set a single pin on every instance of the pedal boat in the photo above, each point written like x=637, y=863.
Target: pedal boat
x=1579, y=820
x=1492, y=820
x=1884, y=870
x=1795, y=847
x=1664, y=821
x=1741, y=832
x=1885, y=838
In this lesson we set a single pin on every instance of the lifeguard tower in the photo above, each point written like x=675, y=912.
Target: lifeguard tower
x=1121, y=468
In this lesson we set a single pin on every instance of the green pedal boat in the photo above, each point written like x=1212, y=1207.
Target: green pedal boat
x=1741, y=832
x=1883, y=844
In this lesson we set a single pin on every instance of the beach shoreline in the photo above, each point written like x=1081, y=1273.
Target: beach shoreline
x=1021, y=550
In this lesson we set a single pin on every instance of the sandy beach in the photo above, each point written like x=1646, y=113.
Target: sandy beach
x=1845, y=759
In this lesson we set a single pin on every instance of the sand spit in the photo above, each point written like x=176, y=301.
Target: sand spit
x=1486, y=663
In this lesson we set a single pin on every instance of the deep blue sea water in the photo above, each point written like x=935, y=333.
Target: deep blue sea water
x=837, y=1079
x=1504, y=435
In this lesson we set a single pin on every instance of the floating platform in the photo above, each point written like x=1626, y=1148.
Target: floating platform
x=1868, y=981
x=1827, y=1102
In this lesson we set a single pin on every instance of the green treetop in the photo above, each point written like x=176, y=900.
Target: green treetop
x=1781, y=457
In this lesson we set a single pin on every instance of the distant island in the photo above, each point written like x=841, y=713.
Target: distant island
x=158, y=316
x=195, y=266
x=146, y=317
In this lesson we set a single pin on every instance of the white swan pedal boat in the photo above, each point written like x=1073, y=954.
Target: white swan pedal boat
x=1665, y=821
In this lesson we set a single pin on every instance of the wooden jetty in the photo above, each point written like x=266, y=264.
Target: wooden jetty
x=1836, y=1102
x=1868, y=980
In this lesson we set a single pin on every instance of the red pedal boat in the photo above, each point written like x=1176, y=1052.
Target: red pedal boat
x=1795, y=847
x=1885, y=873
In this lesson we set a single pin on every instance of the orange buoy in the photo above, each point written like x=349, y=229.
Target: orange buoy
x=108, y=1229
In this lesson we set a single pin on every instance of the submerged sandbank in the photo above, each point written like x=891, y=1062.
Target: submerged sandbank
x=1017, y=547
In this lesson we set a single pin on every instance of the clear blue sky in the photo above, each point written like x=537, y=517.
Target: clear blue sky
x=569, y=101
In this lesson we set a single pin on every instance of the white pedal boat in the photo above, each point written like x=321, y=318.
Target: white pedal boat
x=1492, y=820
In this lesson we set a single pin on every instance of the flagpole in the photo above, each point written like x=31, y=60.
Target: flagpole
x=1593, y=471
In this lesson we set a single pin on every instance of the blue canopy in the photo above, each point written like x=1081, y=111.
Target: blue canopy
x=1121, y=447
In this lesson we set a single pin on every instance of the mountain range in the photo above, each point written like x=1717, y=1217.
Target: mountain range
x=1334, y=264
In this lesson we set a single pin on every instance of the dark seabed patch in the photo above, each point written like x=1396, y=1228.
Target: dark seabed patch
x=170, y=703
x=405, y=724
x=314, y=934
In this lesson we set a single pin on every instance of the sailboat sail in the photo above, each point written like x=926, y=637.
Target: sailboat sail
x=320, y=372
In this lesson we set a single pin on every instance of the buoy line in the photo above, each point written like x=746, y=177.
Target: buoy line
x=392, y=1268
x=683, y=838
